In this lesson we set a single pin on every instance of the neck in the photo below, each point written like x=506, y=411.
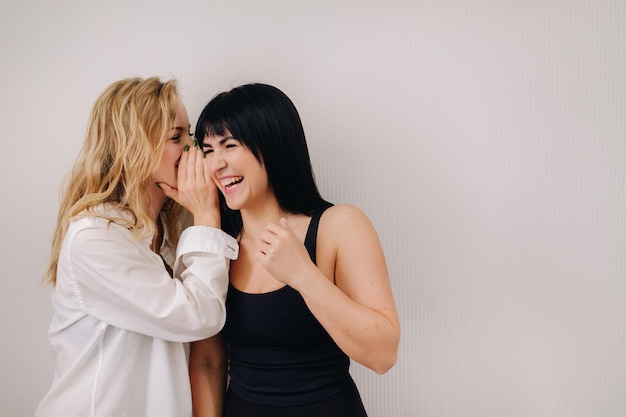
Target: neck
x=157, y=199
x=255, y=220
x=157, y=240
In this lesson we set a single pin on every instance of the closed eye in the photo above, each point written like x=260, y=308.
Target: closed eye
x=179, y=131
x=206, y=147
x=227, y=142
x=230, y=142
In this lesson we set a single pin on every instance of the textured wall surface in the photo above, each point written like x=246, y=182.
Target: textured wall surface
x=485, y=139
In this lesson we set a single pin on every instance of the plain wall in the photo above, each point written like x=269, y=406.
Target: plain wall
x=485, y=139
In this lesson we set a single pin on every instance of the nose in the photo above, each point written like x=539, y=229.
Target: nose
x=217, y=161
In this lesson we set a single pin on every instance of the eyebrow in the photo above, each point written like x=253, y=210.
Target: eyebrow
x=221, y=141
x=180, y=128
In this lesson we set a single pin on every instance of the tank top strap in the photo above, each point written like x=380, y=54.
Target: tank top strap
x=310, y=241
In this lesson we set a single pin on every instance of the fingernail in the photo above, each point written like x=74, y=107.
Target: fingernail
x=203, y=154
x=186, y=148
x=158, y=185
x=195, y=143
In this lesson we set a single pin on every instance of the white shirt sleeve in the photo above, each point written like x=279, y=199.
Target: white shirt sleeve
x=114, y=277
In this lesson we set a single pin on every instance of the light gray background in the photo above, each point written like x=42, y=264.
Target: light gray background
x=485, y=140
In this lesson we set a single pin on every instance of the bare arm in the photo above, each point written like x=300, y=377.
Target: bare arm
x=207, y=373
x=358, y=311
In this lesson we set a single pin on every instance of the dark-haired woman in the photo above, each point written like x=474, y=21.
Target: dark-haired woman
x=310, y=289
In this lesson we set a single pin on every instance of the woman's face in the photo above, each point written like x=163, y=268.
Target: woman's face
x=236, y=172
x=178, y=137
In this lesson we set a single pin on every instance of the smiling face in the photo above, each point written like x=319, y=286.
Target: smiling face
x=178, y=137
x=237, y=172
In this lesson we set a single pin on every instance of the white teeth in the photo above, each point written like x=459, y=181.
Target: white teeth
x=226, y=182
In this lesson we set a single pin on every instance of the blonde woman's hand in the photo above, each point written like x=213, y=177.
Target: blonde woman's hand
x=196, y=190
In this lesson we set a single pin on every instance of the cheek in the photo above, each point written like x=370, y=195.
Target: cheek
x=171, y=153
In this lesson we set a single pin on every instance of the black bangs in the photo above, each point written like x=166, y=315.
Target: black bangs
x=210, y=128
x=234, y=113
x=212, y=120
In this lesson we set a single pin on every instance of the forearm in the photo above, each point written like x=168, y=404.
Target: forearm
x=121, y=282
x=208, y=383
x=208, y=388
x=366, y=335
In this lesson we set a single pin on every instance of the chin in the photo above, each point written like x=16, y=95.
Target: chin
x=232, y=205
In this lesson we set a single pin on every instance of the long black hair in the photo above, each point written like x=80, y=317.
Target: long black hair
x=266, y=122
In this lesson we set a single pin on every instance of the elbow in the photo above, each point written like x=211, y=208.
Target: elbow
x=215, y=326
x=381, y=361
x=386, y=359
x=383, y=365
x=216, y=363
x=212, y=324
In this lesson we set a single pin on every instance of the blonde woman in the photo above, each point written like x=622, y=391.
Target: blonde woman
x=122, y=315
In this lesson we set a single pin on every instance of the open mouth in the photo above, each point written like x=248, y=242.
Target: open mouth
x=231, y=182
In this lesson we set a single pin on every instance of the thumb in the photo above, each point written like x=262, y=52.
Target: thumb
x=168, y=190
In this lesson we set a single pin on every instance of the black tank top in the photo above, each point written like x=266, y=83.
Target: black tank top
x=279, y=353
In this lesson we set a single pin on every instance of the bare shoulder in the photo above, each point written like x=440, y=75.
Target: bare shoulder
x=344, y=209
x=346, y=228
x=346, y=236
x=346, y=218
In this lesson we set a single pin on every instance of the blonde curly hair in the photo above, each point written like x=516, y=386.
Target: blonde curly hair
x=126, y=135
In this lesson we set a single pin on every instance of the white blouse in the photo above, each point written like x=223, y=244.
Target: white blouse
x=121, y=324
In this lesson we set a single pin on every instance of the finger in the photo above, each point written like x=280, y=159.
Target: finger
x=168, y=190
x=199, y=169
x=278, y=229
x=272, y=228
x=266, y=249
x=207, y=171
x=182, y=166
x=268, y=236
x=191, y=164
